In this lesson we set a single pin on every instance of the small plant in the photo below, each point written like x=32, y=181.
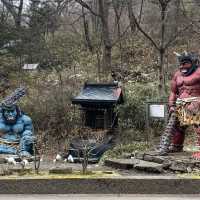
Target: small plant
x=88, y=140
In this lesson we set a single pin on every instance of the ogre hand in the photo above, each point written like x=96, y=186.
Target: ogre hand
x=171, y=109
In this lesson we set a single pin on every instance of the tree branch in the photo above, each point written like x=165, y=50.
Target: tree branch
x=176, y=35
x=9, y=7
x=145, y=34
x=141, y=8
x=85, y=5
x=121, y=36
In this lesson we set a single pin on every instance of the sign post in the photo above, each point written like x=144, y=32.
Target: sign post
x=155, y=110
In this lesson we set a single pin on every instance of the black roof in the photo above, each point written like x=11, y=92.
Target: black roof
x=99, y=93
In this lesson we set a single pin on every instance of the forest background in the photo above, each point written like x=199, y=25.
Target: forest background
x=78, y=41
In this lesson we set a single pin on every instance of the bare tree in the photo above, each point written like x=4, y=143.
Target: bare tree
x=86, y=31
x=118, y=11
x=88, y=140
x=15, y=10
x=103, y=13
x=131, y=15
x=162, y=45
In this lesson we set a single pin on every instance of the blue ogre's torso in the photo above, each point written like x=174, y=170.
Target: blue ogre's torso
x=21, y=131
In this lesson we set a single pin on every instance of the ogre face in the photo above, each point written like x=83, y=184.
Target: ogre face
x=10, y=115
x=185, y=68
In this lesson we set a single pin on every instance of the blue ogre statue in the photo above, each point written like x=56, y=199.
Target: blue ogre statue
x=16, y=129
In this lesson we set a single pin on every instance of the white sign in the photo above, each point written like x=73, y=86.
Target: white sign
x=30, y=66
x=157, y=111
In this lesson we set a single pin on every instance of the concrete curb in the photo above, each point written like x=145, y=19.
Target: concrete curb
x=131, y=185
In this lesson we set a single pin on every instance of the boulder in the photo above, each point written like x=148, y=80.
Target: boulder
x=148, y=166
x=120, y=163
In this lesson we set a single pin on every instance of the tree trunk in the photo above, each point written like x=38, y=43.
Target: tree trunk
x=177, y=14
x=98, y=65
x=161, y=75
x=118, y=16
x=107, y=49
x=86, y=32
x=95, y=19
x=19, y=14
x=131, y=16
x=162, y=52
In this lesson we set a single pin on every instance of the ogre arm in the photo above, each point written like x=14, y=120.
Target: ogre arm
x=173, y=93
x=27, y=138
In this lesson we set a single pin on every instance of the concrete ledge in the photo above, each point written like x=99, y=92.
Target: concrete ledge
x=131, y=185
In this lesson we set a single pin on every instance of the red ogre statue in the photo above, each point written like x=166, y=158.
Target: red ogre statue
x=184, y=84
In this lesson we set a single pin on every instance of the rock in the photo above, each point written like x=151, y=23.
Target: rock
x=60, y=170
x=152, y=162
x=196, y=170
x=151, y=157
x=156, y=159
x=5, y=171
x=178, y=166
x=189, y=163
x=120, y=163
x=183, y=165
x=149, y=166
x=166, y=164
x=196, y=163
